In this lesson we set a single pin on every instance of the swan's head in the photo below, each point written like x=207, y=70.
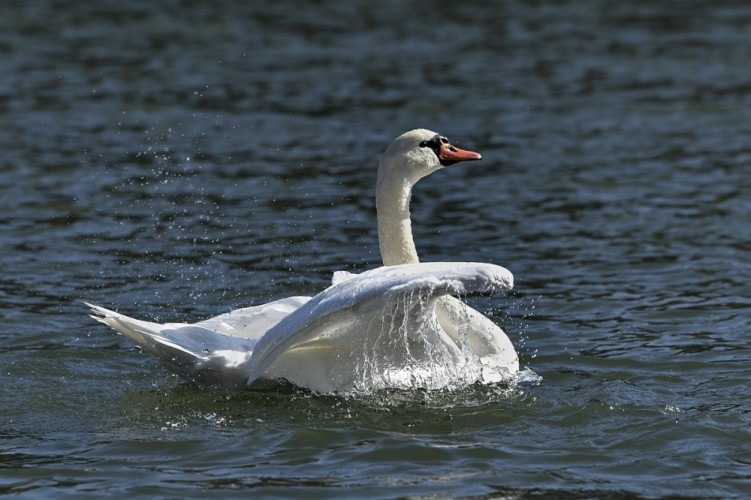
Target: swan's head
x=420, y=152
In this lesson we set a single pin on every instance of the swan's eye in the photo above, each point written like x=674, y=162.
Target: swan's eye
x=435, y=144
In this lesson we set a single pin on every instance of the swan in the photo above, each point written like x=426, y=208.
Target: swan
x=399, y=325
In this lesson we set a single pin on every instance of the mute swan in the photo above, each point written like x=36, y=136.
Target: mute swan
x=394, y=326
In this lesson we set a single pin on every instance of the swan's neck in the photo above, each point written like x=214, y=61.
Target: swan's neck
x=394, y=225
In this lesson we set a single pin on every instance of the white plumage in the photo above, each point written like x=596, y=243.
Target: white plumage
x=394, y=326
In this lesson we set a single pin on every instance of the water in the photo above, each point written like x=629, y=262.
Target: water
x=175, y=160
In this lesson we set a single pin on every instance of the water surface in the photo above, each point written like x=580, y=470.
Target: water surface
x=175, y=160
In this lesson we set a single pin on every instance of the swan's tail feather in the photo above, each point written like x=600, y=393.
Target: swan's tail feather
x=142, y=333
x=197, y=354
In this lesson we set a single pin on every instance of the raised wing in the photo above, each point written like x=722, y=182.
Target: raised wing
x=208, y=353
x=372, y=329
x=253, y=322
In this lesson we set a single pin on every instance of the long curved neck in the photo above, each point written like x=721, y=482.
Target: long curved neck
x=394, y=225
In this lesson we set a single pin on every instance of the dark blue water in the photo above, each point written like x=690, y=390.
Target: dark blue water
x=175, y=160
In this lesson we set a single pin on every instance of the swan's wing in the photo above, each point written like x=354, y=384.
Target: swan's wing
x=253, y=322
x=195, y=353
x=337, y=326
x=489, y=342
x=209, y=352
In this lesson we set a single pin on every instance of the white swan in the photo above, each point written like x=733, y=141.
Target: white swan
x=394, y=326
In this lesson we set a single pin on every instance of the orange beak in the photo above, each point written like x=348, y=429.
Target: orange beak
x=451, y=154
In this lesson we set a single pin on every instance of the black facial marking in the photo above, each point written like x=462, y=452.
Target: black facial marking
x=435, y=145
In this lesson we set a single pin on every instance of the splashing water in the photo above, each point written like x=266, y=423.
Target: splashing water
x=408, y=349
